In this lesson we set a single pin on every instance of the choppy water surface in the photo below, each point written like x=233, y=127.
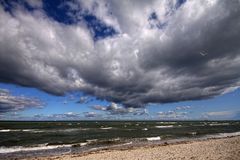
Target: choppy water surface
x=20, y=139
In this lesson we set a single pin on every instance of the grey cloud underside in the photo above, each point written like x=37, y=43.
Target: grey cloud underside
x=195, y=56
x=114, y=109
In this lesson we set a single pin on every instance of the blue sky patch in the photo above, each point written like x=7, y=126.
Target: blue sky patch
x=66, y=15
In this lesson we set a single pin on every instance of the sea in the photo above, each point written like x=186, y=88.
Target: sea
x=45, y=138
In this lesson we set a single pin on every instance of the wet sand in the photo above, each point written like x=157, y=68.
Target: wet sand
x=212, y=149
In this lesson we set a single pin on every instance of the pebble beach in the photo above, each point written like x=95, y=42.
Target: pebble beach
x=212, y=149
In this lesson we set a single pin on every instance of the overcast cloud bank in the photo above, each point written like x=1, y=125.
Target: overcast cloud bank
x=161, y=52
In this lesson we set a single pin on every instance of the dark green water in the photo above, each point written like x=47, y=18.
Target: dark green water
x=17, y=136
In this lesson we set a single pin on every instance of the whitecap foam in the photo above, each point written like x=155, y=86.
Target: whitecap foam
x=166, y=122
x=71, y=130
x=144, y=129
x=219, y=124
x=39, y=147
x=5, y=130
x=116, y=139
x=27, y=130
x=169, y=126
x=222, y=135
x=21, y=130
x=104, y=147
x=84, y=143
x=92, y=140
x=65, y=130
x=32, y=130
x=154, y=138
x=124, y=144
x=106, y=128
x=85, y=129
x=193, y=133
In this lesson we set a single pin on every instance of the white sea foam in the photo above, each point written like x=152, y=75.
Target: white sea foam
x=106, y=128
x=116, y=139
x=5, y=130
x=166, y=122
x=84, y=129
x=66, y=130
x=27, y=130
x=193, y=133
x=21, y=130
x=154, y=138
x=127, y=143
x=218, y=124
x=117, y=145
x=222, y=135
x=32, y=130
x=20, y=148
x=13, y=130
x=84, y=144
x=169, y=126
x=144, y=129
x=71, y=130
x=91, y=140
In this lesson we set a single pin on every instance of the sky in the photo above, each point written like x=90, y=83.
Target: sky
x=119, y=60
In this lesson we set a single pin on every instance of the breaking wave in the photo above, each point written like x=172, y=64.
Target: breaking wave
x=37, y=148
x=169, y=126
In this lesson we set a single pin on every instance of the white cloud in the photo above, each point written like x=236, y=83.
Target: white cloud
x=172, y=115
x=84, y=99
x=115, y=109
x=91, y=115
x=35, y=3
x=11, y=103
x=229, y=114
x=183, y=107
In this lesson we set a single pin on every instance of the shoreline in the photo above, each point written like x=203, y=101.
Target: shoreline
x=118, y=152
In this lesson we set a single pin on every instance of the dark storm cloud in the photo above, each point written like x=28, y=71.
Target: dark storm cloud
x=196, y=55
x=10, y=103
